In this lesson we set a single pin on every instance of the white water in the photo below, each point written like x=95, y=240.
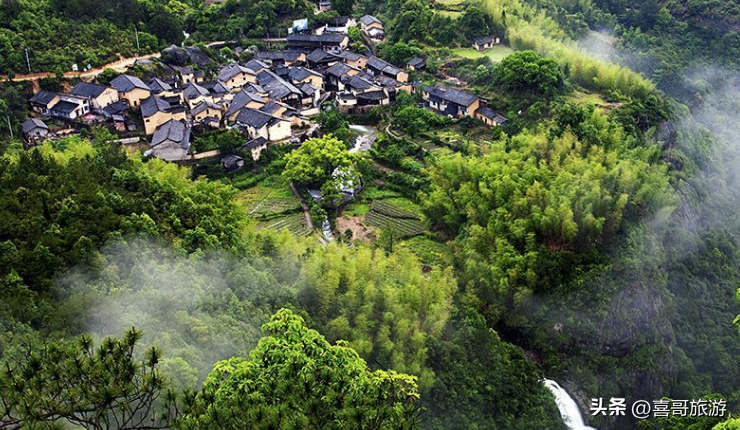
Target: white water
x=326, y=230
x=366, y=137
x=568, y=407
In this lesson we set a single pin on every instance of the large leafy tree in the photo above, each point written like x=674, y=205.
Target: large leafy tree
x=96, y=388
x=295, y=379
x=529, y=71
x=323, y=163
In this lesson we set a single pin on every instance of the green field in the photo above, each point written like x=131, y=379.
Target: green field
x=450, y=13
x=270, y=198
x=295, y=223
x=496, y=54
x=386, y=215
x=584, y=97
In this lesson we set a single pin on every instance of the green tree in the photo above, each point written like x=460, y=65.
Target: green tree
x=323, y=163
x=473, y=23
x=528, y=71
x=295, y=379
x=96, y=388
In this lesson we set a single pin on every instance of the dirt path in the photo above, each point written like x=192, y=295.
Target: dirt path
x=120, y=66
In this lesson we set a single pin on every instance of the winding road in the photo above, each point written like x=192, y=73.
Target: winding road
x=119, y=65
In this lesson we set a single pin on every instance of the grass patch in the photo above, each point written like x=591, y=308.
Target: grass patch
x=495, y=54
x=450, y=13
x=580, y=96
x=428, y=250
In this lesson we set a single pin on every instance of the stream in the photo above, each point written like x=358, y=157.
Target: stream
x=365, y=137
x=568, y=407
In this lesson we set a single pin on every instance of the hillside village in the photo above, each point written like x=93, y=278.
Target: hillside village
x=271, y=98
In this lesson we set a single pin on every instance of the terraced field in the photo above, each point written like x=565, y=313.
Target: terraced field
x=295, y=223
x=385, y=215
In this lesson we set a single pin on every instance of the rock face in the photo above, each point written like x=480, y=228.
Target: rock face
x=182, y=57
x=198, y=57
x=175, y=55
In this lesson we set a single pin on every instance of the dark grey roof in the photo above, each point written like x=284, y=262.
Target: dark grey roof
x=482, y=40
x=43, y=97
x=116, y=108
x=253, y=118
x=203, y=105
x=338, y=69
x=154, y=104
x=315, y=39
x=215, y=87
x=417, y=62
x=359, y=83
x=490, y=113
x=126, y=83
x=174, y=131
x=157, y=85
x=276, y=87
x=452, y=95
x=376, y=63
x=64, y=106
x=373, y=95
x=231, y=160
x=345, y=96
x=256, y=143
x=193, y=91
x=88, y=90
x=301, y=73
x=286, y=55
x=320, y=56
x=256, y=65
x=228, y=72
x=308, y=89
x=369, y=19
x=241, y=99
x=351, y=56
x=33, y=123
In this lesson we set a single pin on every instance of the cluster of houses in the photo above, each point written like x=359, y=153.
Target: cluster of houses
x=270, y=98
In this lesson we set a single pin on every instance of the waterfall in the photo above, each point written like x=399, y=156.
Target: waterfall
x=568, y=408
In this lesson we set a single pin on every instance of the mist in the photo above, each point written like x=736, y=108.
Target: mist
x=197, y=309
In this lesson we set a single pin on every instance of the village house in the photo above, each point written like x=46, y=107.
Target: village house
x=278, y=89
x=207, y=112
x=340, y=24
x=302, y=75
x=282, y=58
x=131, y=89
x=232, y=162
x=171, y=142
x=319, y=59
x=354, y=59
x=194, y=94
x=70, y=107
x=42, y=101
x=416, y=64
x=372, y=27
x=98, y=96
x=234, y=76
x=485, y=42
x=241, y=100
x=257, y=66
x=256, y=146
x=261, y=124
x=156, y=110
x=489, y=116
x=330, y=42
x=34, y=131
x=450, y=101
x=376, y=66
